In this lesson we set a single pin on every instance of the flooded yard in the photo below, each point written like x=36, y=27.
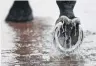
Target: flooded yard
x=30, y=44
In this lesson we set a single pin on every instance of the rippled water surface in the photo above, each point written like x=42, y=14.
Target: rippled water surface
x=30, y=44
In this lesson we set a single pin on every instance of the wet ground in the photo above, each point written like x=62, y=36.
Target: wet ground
x=30, y=44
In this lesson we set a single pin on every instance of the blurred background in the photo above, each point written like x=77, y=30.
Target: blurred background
x=84, y=9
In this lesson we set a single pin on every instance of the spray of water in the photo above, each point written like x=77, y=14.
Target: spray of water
x=57, y=30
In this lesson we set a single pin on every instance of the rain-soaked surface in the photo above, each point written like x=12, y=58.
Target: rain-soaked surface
x=30, y=44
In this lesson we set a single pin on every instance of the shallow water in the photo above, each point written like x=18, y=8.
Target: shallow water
x=30, y=44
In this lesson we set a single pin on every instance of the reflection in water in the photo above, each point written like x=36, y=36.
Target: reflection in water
x=27, y=43
x=28, y=47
